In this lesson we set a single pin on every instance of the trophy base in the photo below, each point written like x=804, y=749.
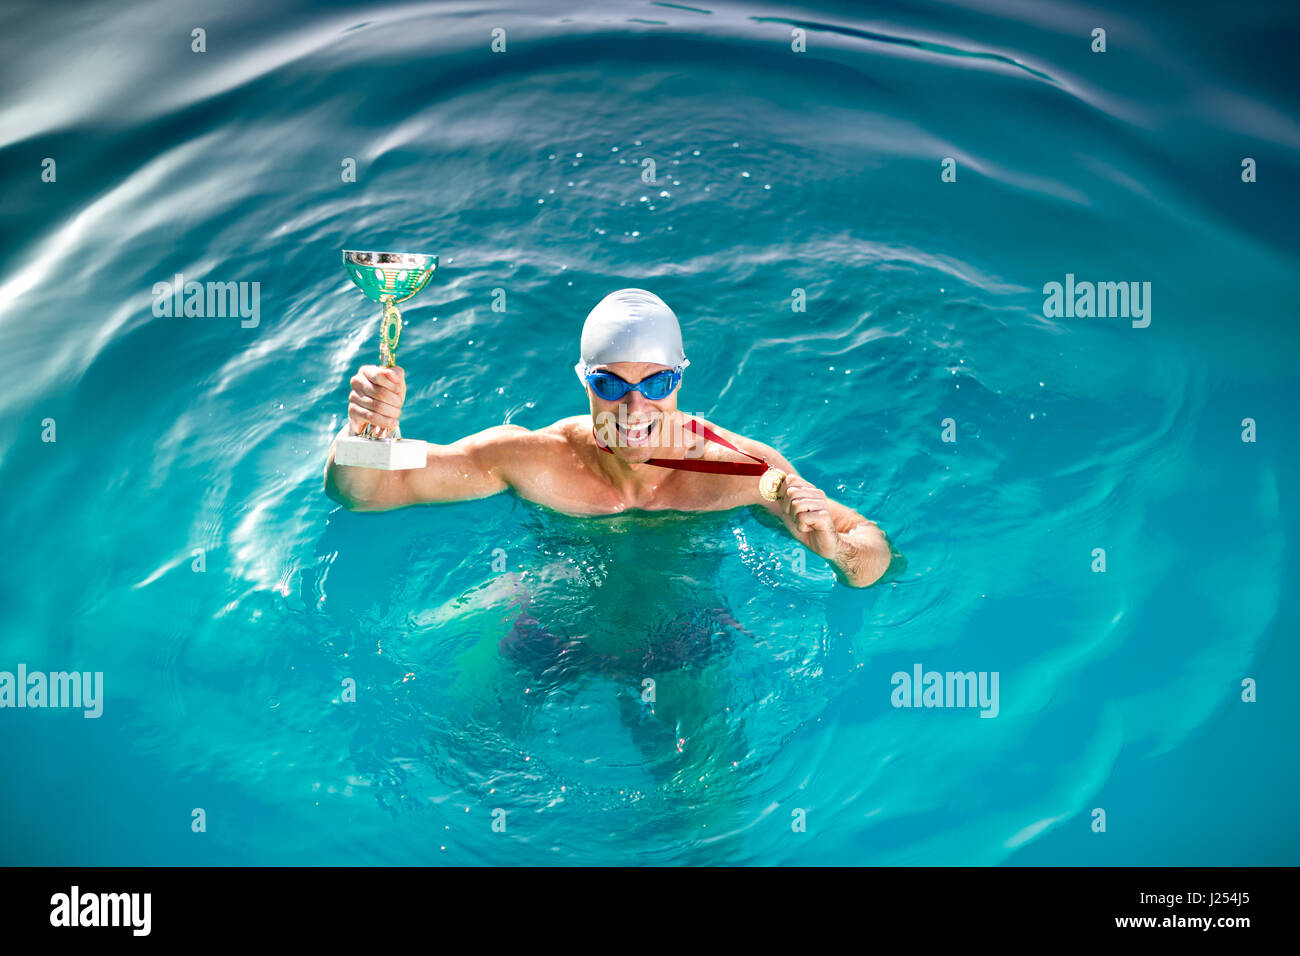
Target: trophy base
x=386, y=454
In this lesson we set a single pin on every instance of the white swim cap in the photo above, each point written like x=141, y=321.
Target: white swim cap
x=631, y=325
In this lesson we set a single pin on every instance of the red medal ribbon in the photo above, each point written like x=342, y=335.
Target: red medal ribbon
x=690, y=464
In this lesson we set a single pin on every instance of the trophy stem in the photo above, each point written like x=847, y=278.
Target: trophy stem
x=390, y=332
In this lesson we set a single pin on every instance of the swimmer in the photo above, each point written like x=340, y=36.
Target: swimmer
x=634, y=451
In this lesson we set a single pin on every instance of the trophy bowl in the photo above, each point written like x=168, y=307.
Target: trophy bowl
x=398, y=275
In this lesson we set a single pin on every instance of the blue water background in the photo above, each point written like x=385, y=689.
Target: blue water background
x=776, y=171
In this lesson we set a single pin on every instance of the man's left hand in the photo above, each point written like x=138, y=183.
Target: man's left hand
x=808, y=509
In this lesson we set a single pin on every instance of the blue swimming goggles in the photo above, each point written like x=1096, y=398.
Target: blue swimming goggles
x=611, y=388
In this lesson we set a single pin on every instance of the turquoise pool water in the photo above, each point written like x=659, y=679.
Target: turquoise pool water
x=776, y=171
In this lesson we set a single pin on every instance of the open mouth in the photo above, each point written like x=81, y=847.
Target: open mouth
x=636, y=434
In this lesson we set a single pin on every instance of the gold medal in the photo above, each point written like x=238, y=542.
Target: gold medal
x=769, y=485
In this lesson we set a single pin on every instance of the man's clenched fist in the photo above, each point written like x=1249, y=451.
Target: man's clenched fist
x=376, y=399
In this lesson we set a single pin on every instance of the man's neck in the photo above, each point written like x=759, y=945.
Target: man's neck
x=638, y=481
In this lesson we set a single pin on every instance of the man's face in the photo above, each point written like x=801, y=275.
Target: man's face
x=633, y=426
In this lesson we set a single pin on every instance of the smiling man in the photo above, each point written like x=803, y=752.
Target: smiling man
x=634, y=451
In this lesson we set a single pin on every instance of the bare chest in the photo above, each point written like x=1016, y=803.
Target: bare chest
x=578, y=488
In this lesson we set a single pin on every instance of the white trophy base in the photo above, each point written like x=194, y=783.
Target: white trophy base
x=386, y=454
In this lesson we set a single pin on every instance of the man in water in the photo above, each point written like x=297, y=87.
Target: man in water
x=634, y=451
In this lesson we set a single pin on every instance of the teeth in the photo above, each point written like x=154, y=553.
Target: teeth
x=637, y=433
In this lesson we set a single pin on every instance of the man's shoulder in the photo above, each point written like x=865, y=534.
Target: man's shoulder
x=566, y=425
x=565, y=430
x=515, y=432
x=561, y=433
x=509, y=445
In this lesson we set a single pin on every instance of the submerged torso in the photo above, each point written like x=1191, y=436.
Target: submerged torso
x=634, y=590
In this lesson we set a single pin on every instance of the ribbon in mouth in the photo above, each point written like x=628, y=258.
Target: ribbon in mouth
x=771, y=478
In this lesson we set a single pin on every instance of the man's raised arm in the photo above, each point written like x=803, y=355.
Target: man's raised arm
x=473, y=467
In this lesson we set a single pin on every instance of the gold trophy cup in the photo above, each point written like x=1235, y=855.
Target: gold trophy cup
x=387, y=278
